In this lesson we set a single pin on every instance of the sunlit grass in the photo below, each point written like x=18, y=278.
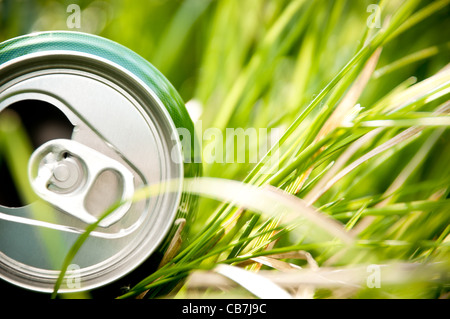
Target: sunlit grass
x=333, y=157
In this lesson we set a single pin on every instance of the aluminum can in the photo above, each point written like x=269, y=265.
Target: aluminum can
x=102, y=122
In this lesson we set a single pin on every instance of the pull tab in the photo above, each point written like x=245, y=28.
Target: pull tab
x=64, y=173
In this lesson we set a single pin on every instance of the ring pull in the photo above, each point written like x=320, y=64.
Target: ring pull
x=68, y=175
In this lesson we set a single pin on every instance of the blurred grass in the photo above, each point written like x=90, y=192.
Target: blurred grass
x=316, y=71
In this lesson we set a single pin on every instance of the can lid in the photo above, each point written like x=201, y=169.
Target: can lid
x=123, y=139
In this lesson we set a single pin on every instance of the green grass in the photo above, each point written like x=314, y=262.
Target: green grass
x=363, y=116
x=375, y=175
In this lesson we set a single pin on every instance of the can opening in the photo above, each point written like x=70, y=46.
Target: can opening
x=35, y=122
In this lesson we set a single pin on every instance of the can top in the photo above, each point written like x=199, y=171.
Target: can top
x=124, y=115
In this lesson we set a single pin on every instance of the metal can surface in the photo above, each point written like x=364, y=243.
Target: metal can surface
x=122, y=115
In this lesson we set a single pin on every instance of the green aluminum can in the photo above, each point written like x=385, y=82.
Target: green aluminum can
x=122, y=116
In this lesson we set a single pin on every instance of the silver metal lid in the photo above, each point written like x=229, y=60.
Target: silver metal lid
x=122, y=140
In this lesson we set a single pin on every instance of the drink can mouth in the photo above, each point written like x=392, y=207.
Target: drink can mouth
x=120, y=118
